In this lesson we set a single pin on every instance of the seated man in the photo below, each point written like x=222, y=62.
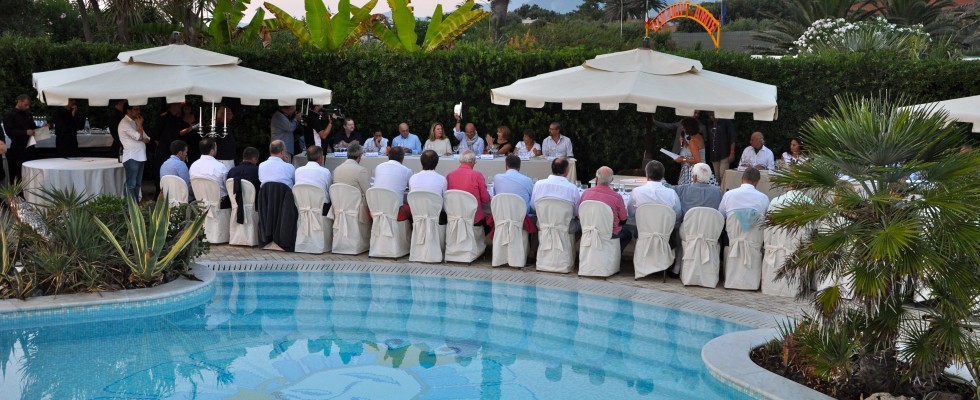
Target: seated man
x=513, y=181
x=556, y=144
x=468, y=139
x=698, y=193
x=655, y=192
x=249, y=168
x=313, y=173
x=407, y=140
x=467, y=179
x=351, y=172
x=277, y=168
x=394, y=176
x=428, y=179
x=745, y=196
x=176, y=165
x=209, y=168
x=757, y=155
x=557, y=186
x=602, y=192
x=377, y=144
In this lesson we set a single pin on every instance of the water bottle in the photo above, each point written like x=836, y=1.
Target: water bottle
x=88, y=128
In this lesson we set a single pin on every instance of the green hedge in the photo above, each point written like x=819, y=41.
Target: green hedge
x=380, y=88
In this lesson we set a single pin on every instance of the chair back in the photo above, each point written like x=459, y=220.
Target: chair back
x=599, y=254
x=462, y=242
x=510, y=244
x=778, y=244
x=556, y=242
x=350, y=236
x=654, y=225
x=699, y=241
x=389, y=237
x=743, y=255
x=428, y=237
x=175, y=189
x=217, y=224
x=313, y=231
x=245, y=233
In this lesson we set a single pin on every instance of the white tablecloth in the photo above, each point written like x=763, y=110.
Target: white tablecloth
x=90, y=176
x=538, y=168
x=733, y=179
x=629, y=182
x=84, y=141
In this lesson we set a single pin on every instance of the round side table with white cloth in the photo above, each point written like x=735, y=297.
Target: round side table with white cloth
x=89, y=176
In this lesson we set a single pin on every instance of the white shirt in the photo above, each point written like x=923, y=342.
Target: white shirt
x=763, y=157
x=523, y=151
x=208, y=168
x=561, y=149
x=276, y=170
x=788, y=198
x=745, y=196
x=129, y=136
x=394, y=176
x=428, y=181
x=556, y=187
x=653, y=192
x=314, y=174
x=371, y=147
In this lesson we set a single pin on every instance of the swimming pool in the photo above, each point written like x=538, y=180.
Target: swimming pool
x=340, y=335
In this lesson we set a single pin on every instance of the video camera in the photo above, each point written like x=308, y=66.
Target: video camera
x=336, y=111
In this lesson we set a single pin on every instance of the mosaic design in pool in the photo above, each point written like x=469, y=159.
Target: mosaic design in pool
x=320, y=335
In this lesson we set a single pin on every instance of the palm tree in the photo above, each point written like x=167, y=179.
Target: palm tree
x=927, y=13
x=900, y=233
x=630, y=9
x=498, y=16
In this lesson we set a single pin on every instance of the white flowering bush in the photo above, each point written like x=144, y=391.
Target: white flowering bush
x=840, y=35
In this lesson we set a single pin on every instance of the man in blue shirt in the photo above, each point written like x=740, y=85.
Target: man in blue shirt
x=176, y=165
x=513, y=181
x=407, y=140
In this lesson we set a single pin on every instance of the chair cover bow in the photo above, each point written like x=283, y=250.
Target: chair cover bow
x=550, y=235
x=591, y=236
x=311, y=215
x=423, y=223
x=212, y=207
x=341, y=224
x=702, y=245
x=654, y=242
x=385, y=223
x=460, y=227
x=509, y=228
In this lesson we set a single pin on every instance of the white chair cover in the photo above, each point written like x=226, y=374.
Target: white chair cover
x=174, y=189
x=246, y=234
x=350, y=235
x=599, y=253
x=464, y=242
x=218, y=221
x=510, y=244
x=654, y=224
x=556, y=243
x=743, y=255
x=699, y=240
x=389, y=237
x=314, y=231
x=779, y=244
x=428, y=237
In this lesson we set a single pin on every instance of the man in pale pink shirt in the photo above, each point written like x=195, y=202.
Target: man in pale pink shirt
x=465, y=178
x=602, y=192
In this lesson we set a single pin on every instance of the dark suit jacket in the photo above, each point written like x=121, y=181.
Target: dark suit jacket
x=277, y=216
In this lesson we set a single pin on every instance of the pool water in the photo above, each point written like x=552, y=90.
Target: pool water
x=322, y=335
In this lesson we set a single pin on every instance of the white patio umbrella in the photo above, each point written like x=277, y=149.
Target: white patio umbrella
x=963, y=109
x=173, y=72
x=648, y=79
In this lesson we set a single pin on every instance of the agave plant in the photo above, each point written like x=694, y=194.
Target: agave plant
x=441, y=32
x=323, y=31
x=901, y=228
x=14, y=280
x=150, y=261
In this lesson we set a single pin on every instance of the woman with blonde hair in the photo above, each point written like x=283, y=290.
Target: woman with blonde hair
x=438, y=142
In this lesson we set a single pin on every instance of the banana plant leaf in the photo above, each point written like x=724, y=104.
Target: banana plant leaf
x=297, y=27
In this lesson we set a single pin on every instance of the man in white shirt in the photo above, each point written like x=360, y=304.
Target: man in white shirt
x=207, y=167
x=313, y=173
x=745, y=196
x=757, y=155
x=557, y=186
x=134, y=150
x=276, y=169
x=428, y=179
x=654, y=192
x=556, y=145
x=392, y=175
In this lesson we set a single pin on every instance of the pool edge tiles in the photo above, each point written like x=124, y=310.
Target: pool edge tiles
x=727, y=312
x=173, y=296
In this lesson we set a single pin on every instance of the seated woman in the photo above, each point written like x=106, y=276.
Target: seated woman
x=795, y=154
x=438, y=142
x=502, y=145
x=528, y=147
x=377, y=144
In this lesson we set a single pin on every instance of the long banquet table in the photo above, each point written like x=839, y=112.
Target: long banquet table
x=84, y=141
x=535, y=168
x=88, y=176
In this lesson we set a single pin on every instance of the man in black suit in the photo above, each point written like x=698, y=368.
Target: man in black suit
x=19, y=125
x=249, y=168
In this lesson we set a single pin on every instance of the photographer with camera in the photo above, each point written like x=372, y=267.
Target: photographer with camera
x=315, y=128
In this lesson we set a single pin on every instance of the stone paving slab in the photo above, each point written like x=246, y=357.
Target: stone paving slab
x=753, y=300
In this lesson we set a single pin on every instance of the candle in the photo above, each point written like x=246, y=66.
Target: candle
x=213, y=116
x=200, y=116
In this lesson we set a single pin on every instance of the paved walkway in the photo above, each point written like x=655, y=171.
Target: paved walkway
x=753, y=300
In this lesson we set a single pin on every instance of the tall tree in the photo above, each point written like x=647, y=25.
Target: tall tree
x=498, y=16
